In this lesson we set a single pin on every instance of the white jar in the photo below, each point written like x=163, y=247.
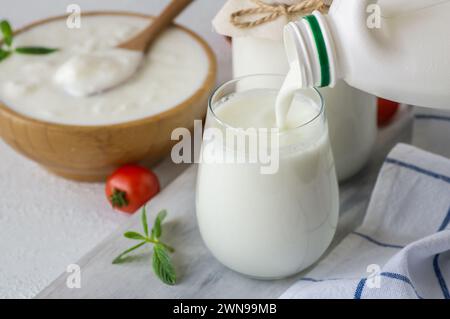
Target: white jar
x=351, y=113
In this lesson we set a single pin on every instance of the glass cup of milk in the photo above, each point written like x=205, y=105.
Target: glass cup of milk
x=267, y=198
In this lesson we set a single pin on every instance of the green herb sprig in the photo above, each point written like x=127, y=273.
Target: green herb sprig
x=7, y=48
x=161, y=262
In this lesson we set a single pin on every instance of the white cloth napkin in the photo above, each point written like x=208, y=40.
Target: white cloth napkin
x=402, y=249
x=431, y=130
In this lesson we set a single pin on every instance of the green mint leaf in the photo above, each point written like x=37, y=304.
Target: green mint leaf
x=35, y=50
x=144, y=221
x=157, y=229
x=4, y=54
x=134, y=235
x=7, y=32
x=119, y=259
x=162, y=265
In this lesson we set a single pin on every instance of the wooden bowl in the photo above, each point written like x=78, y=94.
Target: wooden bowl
x=91, y=153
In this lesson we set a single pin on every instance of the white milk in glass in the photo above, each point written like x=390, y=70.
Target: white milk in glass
x=266, y=225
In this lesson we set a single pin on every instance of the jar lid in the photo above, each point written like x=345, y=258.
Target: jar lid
x=262, y=18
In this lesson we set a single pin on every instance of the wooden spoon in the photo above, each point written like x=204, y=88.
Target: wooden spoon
x=143, y=40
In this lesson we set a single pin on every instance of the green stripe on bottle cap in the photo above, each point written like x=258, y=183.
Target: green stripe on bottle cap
x=321, y=49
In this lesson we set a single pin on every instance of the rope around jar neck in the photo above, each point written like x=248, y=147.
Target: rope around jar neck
x=275, y=10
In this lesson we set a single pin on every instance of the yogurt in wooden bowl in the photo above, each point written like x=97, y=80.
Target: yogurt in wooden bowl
x=85, y=138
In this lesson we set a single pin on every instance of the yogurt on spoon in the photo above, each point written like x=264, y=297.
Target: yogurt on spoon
x=94, y=72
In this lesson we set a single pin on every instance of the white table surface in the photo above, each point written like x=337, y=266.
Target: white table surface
x=47, y=223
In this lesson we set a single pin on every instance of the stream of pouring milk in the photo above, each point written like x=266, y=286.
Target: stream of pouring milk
x=292, y=83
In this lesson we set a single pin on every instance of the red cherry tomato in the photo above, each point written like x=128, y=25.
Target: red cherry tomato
x=130, y=187
x=386, y=111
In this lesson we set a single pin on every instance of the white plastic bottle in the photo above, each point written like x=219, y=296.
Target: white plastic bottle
x=398, y=50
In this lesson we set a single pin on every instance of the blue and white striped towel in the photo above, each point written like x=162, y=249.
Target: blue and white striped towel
x=402, y=249
x=431, y=130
